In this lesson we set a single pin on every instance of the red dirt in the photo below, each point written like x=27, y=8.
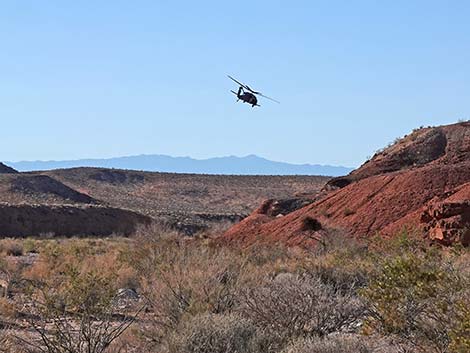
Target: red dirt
x=425, y=171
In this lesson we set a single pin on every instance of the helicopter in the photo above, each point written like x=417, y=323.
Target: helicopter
x=247, y=95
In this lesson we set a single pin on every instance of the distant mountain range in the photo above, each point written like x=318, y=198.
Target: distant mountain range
x=249, y=165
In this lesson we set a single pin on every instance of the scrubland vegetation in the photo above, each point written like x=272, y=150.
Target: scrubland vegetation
x=158, y=292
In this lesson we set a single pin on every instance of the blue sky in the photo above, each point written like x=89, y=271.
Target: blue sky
x=95, y=79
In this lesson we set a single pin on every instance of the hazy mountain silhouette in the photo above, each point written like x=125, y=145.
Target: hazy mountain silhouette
x=249, y=165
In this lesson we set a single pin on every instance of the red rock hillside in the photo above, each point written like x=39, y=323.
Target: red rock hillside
x=421, y=181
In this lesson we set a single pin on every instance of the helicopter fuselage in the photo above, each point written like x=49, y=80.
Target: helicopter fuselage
x=247, y=97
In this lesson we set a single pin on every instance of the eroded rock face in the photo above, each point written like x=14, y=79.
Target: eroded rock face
x=447, y=222
x=275, y=208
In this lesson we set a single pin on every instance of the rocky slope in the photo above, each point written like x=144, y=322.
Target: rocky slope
x=422, y=181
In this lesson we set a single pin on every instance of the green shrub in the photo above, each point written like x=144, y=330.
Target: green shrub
x=415, y=298
x=460, y=331
x=30, y=246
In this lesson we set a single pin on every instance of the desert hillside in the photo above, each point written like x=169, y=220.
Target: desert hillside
x=422, y=181
x=188, y=202
x=6, y=169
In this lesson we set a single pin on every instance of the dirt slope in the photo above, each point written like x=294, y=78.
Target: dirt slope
x=426, y=172
x=38, y=189
x=86, y=220
x=4, y=169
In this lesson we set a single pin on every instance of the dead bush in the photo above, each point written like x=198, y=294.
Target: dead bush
x=344, y=281
x=211, y=333
x=301, y=306
x=339, y=344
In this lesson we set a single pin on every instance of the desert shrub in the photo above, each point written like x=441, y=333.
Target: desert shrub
x=407, y=240
x=209, y=333
x=418, y=298
x=344, y=281
x=180, y=278
x=81, y=307
x=329, y=344
x=51, y=260
x=340, y=261
x=310, y=223
x=215, y=230
x=260, y=255
x=301, y=306
x=460, y=331
x=6, y=344
x=7, y=309
x=12, y=247
x=83, y=254
x=10, y=276
x=337, y=244
x=73, y=284
x=30, y=246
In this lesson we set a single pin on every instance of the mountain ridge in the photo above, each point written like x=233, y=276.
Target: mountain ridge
x=228, y=165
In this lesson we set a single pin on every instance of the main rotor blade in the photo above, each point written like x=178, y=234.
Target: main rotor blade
x=241, y=84
x=272, y=99
x=252, y=90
